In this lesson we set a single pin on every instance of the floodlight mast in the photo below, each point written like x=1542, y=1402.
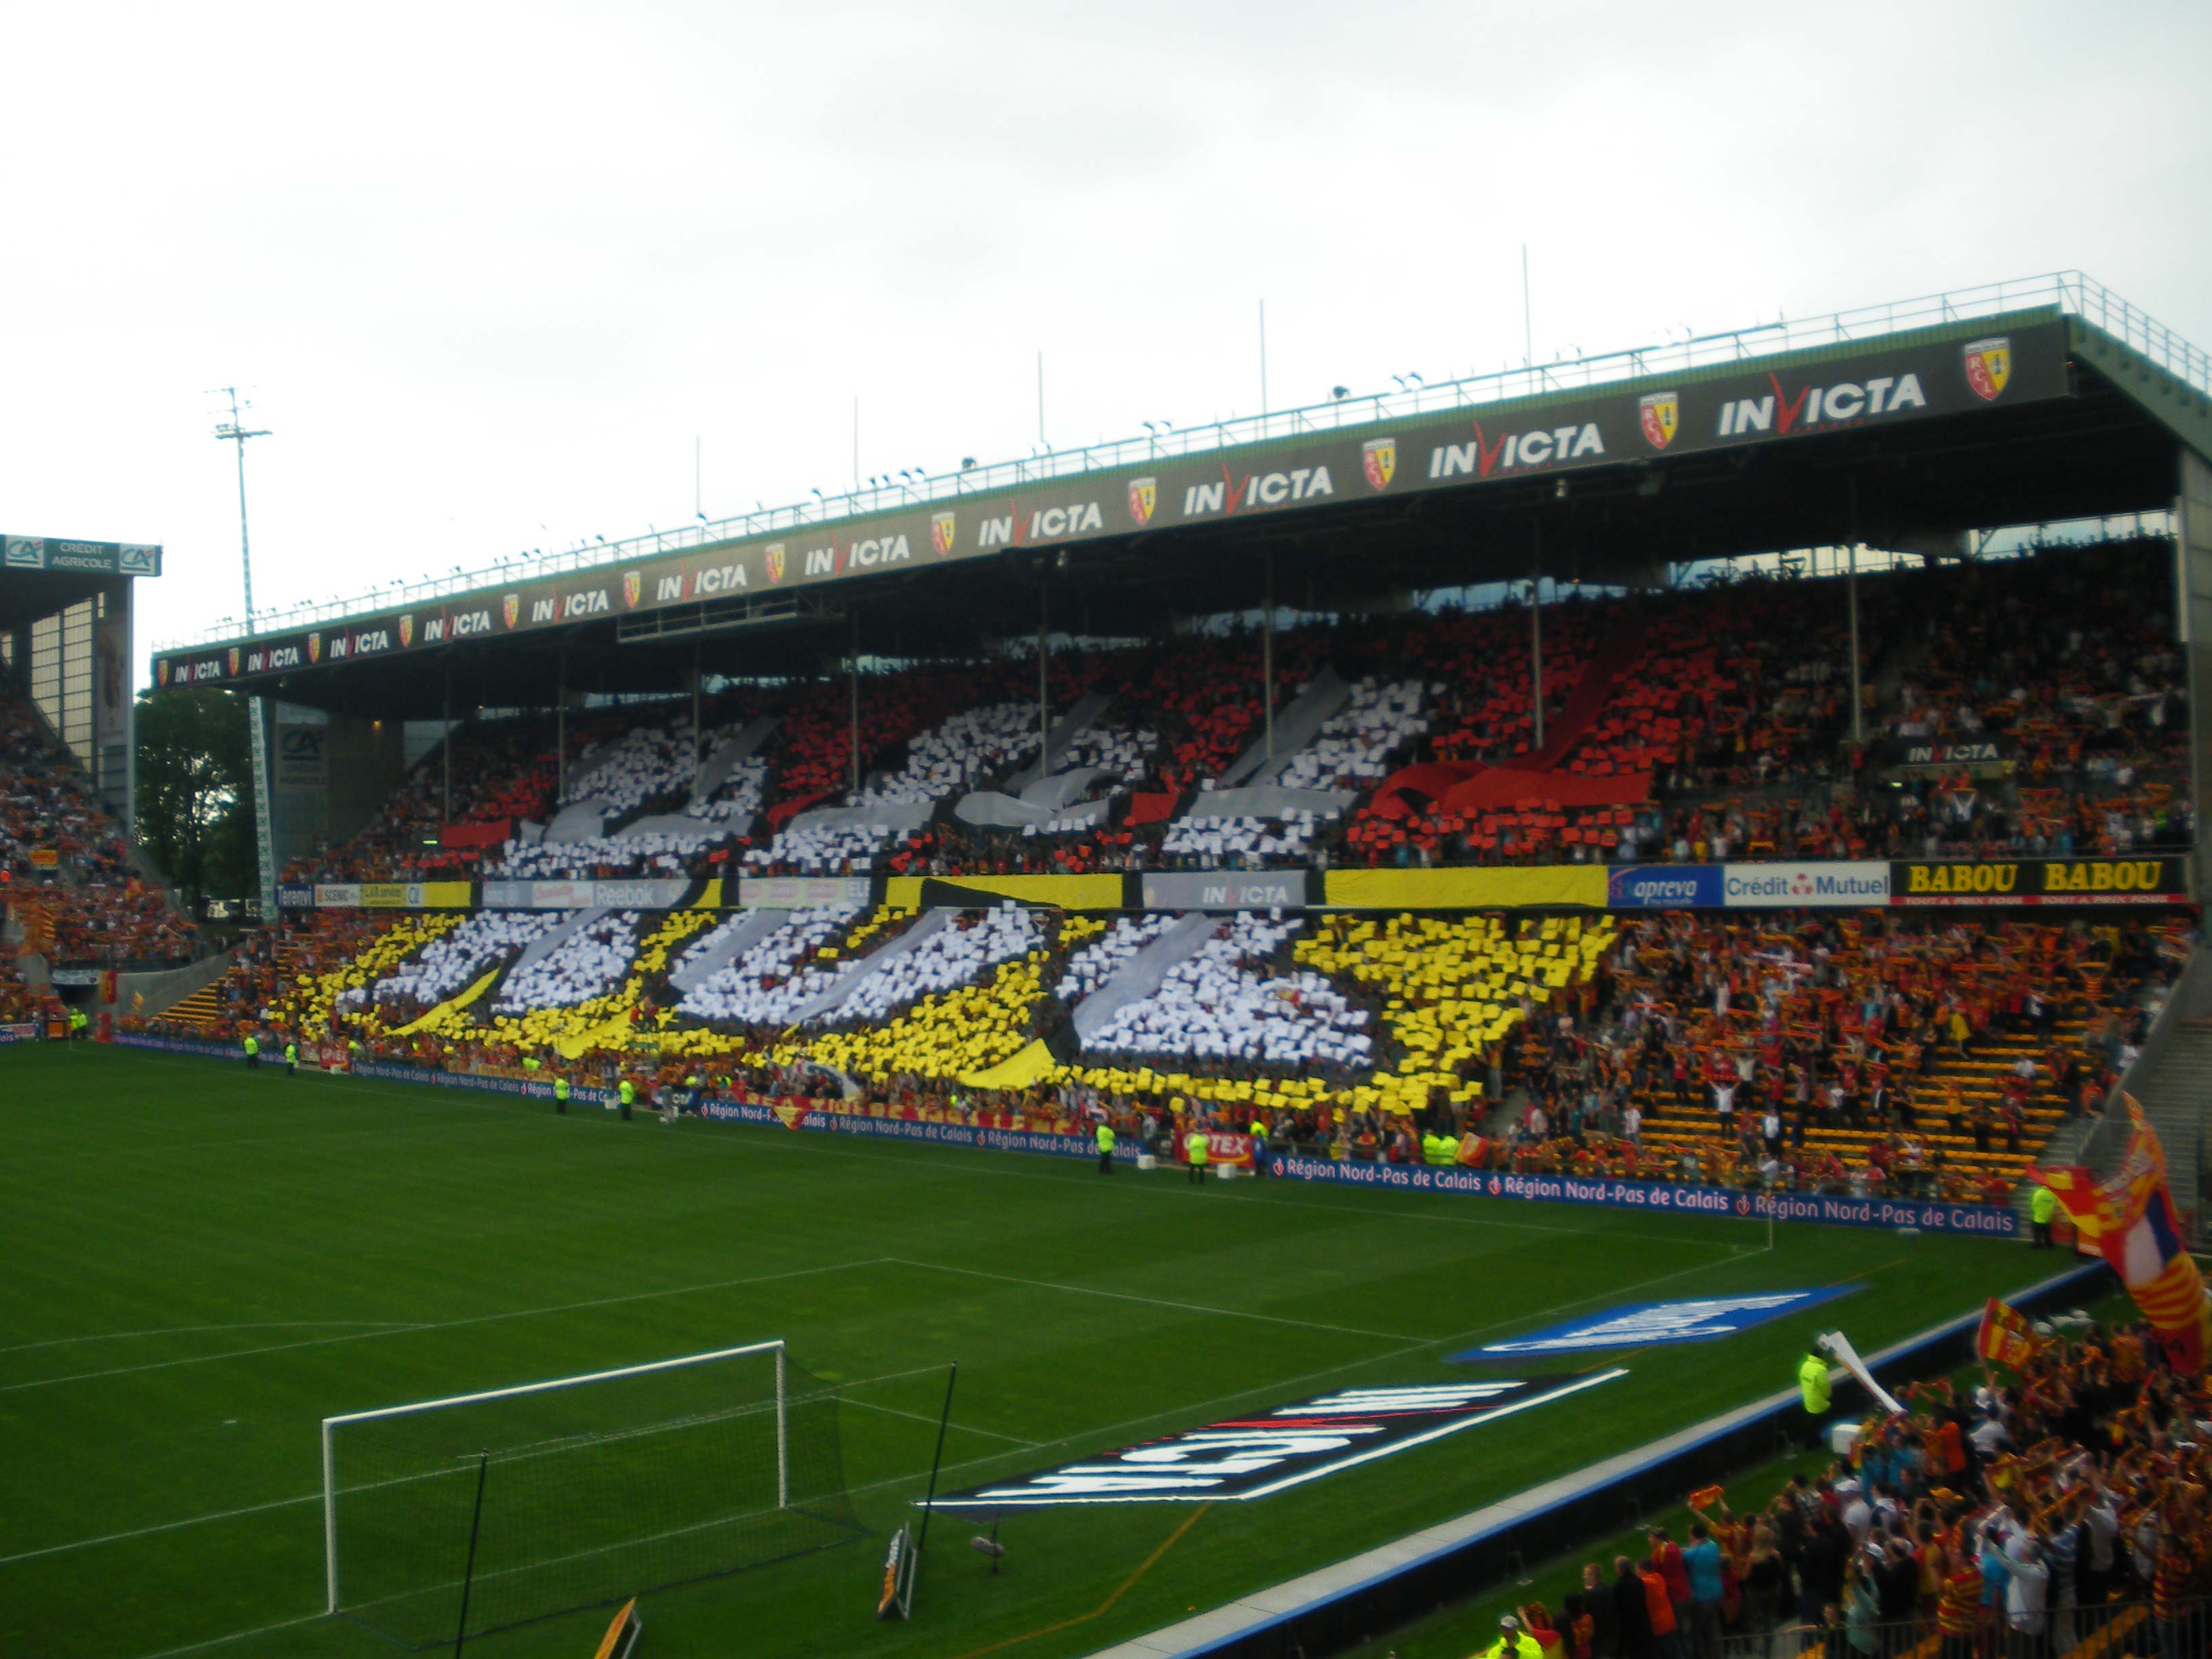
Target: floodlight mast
x=234, y=432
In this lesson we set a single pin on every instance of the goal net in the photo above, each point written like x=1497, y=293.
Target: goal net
x=594, y=1489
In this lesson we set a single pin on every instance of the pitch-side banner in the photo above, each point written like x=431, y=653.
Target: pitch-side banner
x=1837, y=885
x=1224, y=889
x=392, y=896
x=2152, y=880
x=1241, y=1458
x=1987, y=1220
x=1784, y=399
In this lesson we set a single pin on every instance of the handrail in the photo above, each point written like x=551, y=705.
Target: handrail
x=2069, y=292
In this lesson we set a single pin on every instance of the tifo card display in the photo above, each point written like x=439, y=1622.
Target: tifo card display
x=1246, y=1457
x=1645, y=1323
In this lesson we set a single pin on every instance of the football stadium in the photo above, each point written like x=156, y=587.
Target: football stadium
x=1257, y=1041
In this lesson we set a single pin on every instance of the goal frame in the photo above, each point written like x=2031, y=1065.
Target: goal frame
x=418, y=1407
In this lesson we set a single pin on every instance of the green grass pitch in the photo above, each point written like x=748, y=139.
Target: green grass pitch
x=202, y=1263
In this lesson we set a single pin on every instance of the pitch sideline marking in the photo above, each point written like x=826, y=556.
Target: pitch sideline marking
x=1105, y=1606
x=1151, y=1301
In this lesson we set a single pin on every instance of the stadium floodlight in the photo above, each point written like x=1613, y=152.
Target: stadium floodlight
x=594, y=1489
x=1339, y=393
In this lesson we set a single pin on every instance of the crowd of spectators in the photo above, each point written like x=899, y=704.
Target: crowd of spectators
x=1825, y=1053
x=1713, y=722
x=2056, y=1508
x=91, y=902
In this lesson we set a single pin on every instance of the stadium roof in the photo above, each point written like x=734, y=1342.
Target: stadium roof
x=1901, y=426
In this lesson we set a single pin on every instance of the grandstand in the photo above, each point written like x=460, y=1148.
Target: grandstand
x=83, y=903
x=1664, y=702
x=1696, y=780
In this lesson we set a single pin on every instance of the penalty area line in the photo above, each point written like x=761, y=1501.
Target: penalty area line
x=427, y=1326
x=235, y=1636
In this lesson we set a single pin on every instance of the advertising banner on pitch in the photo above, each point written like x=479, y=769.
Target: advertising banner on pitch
x=1646, y=1322
x=1241, y=1458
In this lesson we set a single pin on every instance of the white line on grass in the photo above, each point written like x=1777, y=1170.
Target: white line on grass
x=235, y=1636
x=164, y=1526
x=189, y=1330
x=1151, y=1301
x=920, y=1417
x=439, y=1325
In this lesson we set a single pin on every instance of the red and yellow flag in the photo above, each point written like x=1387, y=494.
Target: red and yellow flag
x=2005, y=1337
x=2130, y=1219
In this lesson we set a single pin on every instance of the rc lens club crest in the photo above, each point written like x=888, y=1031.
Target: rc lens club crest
x=773, y=556
x=1660, y=414
x=1378, y=457
x=1989, y=365
x=1144, y=499
x=944, y=530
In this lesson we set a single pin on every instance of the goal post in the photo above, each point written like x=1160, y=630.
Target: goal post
x=595, y=1488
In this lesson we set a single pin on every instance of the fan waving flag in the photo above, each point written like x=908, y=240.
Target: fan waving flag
x=2005, y=1336
x=2130, y=1219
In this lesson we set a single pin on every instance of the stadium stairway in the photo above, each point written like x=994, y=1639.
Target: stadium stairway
x=1980, y=1077
x=2175, y=1090
x=201, y=1010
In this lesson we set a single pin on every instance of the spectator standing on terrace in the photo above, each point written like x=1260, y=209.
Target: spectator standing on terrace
x=1701, y=1563
x=1632, y=1611
x=1667, y=1562
x=2028, y=1586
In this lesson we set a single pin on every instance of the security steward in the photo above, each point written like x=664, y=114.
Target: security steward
x=1105, y=1147
x=253, y=1052
x=291, y=1060
x=1813, y=1384
x=561, y=1094
x=628, y=1095
x=2042, y=1211
x=1194, y=1149
x=1259, y=1148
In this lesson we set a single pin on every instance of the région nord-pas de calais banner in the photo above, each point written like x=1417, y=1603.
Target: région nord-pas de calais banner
x=1994, y=365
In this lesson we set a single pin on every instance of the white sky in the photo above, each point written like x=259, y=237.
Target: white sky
x=487, y=269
